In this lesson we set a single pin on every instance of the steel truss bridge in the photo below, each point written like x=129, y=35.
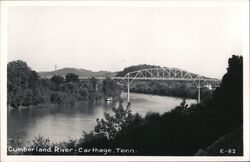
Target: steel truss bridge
x=164, y=74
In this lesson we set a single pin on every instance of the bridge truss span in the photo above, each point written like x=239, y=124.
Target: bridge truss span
x=165, y=74
x=168, y=74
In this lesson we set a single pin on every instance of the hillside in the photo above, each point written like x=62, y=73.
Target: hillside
x=80, y=72
x=135, y=68
x=145, y=66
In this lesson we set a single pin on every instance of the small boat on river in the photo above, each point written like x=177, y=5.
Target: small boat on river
x=109, y=99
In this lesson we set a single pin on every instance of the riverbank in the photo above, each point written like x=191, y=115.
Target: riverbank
x=45, y=105
x=164, y=95
x=170, y=88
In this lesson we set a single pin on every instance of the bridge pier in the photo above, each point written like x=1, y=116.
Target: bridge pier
x=199, y=94
x=128, y=93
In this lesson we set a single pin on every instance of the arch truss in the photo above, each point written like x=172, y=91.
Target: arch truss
x=167, y=74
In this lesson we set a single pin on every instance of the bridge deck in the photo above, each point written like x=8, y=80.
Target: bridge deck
x=151, y=78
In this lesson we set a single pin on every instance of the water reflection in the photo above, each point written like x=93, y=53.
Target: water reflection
x=60, y=122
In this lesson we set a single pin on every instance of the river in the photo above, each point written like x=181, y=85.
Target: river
x=61, y=123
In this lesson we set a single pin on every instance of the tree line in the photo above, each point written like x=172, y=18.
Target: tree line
x=26, y=88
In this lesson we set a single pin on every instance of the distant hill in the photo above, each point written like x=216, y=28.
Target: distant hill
x=89, y=73
x=80, y=72
x=145, y=66
x=135, y=68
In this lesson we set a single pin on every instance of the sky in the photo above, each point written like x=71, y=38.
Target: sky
x=199, y=39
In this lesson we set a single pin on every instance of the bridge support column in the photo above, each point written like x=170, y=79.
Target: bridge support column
x=199, y=94
x=128, y=93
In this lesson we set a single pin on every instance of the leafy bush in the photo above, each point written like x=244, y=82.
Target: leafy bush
x=41, y=142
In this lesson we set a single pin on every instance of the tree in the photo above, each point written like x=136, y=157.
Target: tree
x=59, y=98
x=111, y=124
x=228, y=98
x=182, y=108
x=110, y=88
x=71, y=77
x=72, y=91
x=94, y=83
x=84, y=93
x=57, y=79
x=21, y=83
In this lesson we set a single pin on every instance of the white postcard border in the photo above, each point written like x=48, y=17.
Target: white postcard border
x=3, y=82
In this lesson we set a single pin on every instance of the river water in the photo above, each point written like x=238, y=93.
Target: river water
x=61, y=123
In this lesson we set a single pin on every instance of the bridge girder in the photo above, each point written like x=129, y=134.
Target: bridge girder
x=166, y=74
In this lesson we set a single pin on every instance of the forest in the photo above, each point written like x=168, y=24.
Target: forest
x=200, y=129
x=27, y=89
